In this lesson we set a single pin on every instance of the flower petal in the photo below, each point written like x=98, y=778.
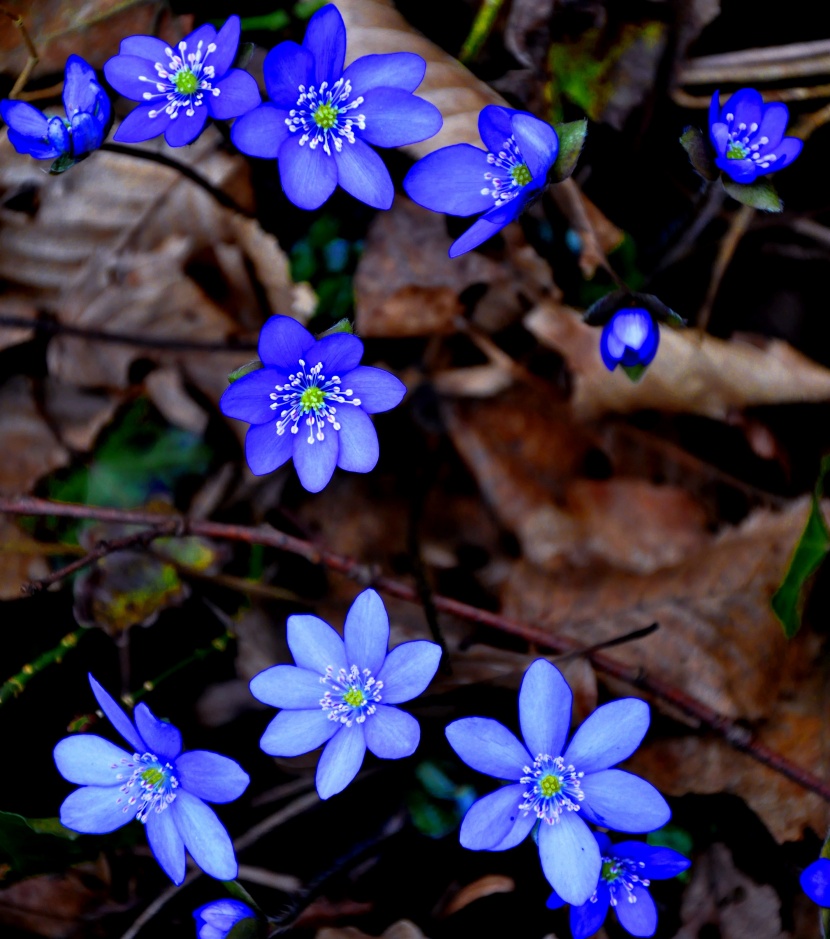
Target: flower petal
x=315, y=645
x=315, y=461
x=261, y=132
x=787, y=151
x=396, y=118
x=80, y=86
x=366, y=632
x=325, y=39
x=287, y=686
x=265, y=449
x=392, y=70
x=31, y=146
x=211, y=776
x=554, y=901
x=488, y=747
x=742, y=171
x=215, y=920
x=715, y=109
x=249, y=398
x=283, y=342
x=95, y=810
x=491, y=818
x=746, y=107
x=308, y=176
x=623, y=802
x=362, y=173
x=773, y=125
x=163, y=739
x=640, y=917
x=166, y=844
x=544, y=709
x=391, y=733
x=204, y=836
x=589, y=917
x=408, y=669
x=117, y=717
x=495, y=127
x=359, y=448
x=537, y=142
x=24, y=118
x=609, y=735
x=377, y=389
x=570, y=857
x=138, y=125
x=292, y=733
x=88, y=760
x=238, y=94
x=815, y=881
x=185, y=128
x=147, y=47
x=286, y=67
x=475, y=235
x=227, y=44
x=522, y=826
x=339, y=354
x=451, y=180
x=341, y=760
x=659, y=863
x=125, y=73
x=87, y=133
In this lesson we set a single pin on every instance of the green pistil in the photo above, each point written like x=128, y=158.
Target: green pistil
x=186, y=82
x=153, y=776
x=325, y=116
x=311, y=399
x=610, y=871
x=521, y=174
x=354, y=697
x=737, y=151
x=550, y=785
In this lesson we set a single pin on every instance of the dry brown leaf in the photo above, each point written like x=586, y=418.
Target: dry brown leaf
x=21, y=560
x=483, y=887
x=403, y=929
x=77, y=415
x=701, y=375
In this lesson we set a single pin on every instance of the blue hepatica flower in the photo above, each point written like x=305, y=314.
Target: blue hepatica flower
x=499, y=181
x=558, y=786
x=630, y=339
x=216, y=919
x=312, y=402
x=749, y=136
x=154, y=782
x=815, y=881
x=342, y=692
x=322, y=118
x=180, y=88
x=62, y=139
x=627, y=870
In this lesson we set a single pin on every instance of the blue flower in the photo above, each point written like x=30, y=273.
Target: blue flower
x=154, y=782
x=322, y=118
x=630, y=339
x=749, y=136
x=556, y=785
x=341, y=692
x=815, y=882
x=312, y=402
x=500, y=181
x=627, y=870
x=216, y=919
x=180, y=88
x=68, y=139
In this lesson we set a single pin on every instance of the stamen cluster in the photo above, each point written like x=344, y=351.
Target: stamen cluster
x=318, y=115
x=505, y=187
x=155, y=781
x=183, y=81
x=554, y=788
x=307, y=395
x=352, y=695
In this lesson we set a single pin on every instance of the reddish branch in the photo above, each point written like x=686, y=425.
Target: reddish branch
x=733, y=733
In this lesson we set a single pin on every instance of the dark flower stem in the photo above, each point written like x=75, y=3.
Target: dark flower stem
x=17, y=683
x=736, y=735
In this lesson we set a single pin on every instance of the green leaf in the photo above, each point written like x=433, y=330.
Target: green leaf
x=571, y=141
x=694, y=143
x=253, y=366
x=62, y=164
x=634, y=372
x=788, y=601
x=30, y=846
x=305, y=9
x=238, y=892
x=758, y=195
x=269, y=22
x=341, y=326
x=676, y=838
x=247, y=929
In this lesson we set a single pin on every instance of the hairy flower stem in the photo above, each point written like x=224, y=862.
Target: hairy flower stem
x=17, y=683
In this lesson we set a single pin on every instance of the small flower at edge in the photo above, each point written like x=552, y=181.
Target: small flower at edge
x=555, y=785
x=310, y=401
x=342, y=692
x=154, y=782
x=216, y=919
x=322, y=118
x=499, y=181
x=815, y=881
x=627, y=871
x=64, y=140
x=629, y=339
x=178, y=89
x=748, y=136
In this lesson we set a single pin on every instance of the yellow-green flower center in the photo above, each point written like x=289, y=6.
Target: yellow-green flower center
x=311, y=399
x=325, y=116
x=550, y=785
x=521, y=174
x=152, y=776
x=737, y=151
x=186, y=82
x=355, y=697
x=610, y=870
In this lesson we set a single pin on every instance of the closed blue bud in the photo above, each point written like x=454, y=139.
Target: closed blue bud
x=629, y=339
x=216, y=919
x=815, y=881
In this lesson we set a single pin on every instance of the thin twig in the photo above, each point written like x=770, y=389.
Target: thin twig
x=708, y=209
x=738, y=227
x=17, y=683
x=766, y=64
x=568, y=197
x=685, y=100
x=32, y=59
x=732, y=732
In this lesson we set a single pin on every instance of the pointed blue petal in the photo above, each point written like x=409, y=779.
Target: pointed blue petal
x=490, y=819
x=341, y=760
x=554, y=901
x=249, y=398
x=476, y=234
x=238, y=94
x=261, y=132
x=787, y=151
x=125, y=73
x=147, y=47
x=325, y=39
x=31, y=146
x=362, y=173
x=544, y=709
x=138, y=125
x=184, y=129
x=265, y=449
x=659, y=863
x=359, y=450
x=163, y=739
x=391, y=733
x=315, y=645
x=742, y=171
x=609, y=735
x=287, y=686
x=746, y=107
x=719, y=134
x=640, y=917
x=204, y=836
x=377, y=389
x=211, y=776
x=58, y=134
x=366, y=632
x=772, y=126
x=537, y=142
x=495, y=127
x=286, y=67
x=96, y=810
x=227, y=44
x=339, y=354
x=623, y=802
x=522, y=826
x=292, y=733
x=80, y=86
x=315, y=461
x=570, y=857
x=24, y=118
x=408, y=669
x=392, y=70
x=396, y=118
x=589, y=917
x=308, y=176
x=88, y=760
x=488, y=747
x=815, y=881
x=215, y=920
x=117, y=717
x=451, y=180
x=166, y=844
x=283, y=342
x=715, y=110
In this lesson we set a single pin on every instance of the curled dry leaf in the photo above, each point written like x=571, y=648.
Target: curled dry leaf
x=403, y=929
x=483, y=887
x=21, y=560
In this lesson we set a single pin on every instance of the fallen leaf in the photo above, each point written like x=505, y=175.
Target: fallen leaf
x=21, y=560
x=403, y=929
x=483, y=887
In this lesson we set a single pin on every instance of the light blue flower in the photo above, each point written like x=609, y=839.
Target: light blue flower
x=558, y=785
x=216, y=919
x=154, y=782
x=815, y=881
x=343, y=692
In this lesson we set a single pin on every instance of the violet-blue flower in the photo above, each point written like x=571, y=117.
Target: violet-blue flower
x=499, y=181
x=322, y=118
x=343, y=692
x=815, y=881
x=312, y=402
x=216, y=919
x=627, y=870
x=155, y=782
x=630, y=339
x=749, y=136
x=68, y=139
x=178, y=89
x=558, y=786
